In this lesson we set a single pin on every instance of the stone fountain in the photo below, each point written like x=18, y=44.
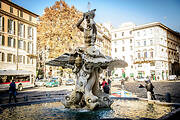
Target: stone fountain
x=87, y=63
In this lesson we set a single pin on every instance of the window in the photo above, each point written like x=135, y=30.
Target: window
x=29, y=47
x=1, y=23
x=11, y=42
x=21, y=30
x=30, y=18
x=130, y=32
x=131, y=58
x=30, y=33
x=150, y=31
x=24, y=45
x=122, y=33
x=21, y=13
x=2, y=42
x=3, y=57
x=139, y=55
x=145, y=54
x=139, y=65
x=138, y=44
x=115, y=35
x=20, y=44
x=145, y=43
x=138, y=33
x=130, y=40
x=11, y=9
x=23, y=59
x=144, y=32
x=123, y=49
x=28, y=60
x=14, y=43
x=151, y=54
x=115, y=50
x=151, y=42
x=14, y=58
x=9, y=57
x=131, y=47
x=11, y=26
x=152, y=64
x=122, y=41
x=20, y=58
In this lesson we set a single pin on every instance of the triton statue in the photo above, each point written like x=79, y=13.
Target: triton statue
x=87, y=63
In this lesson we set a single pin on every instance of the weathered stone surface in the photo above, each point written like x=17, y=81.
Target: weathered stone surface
x=87, y=63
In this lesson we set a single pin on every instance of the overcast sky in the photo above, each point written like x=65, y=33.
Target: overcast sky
x=119, y=11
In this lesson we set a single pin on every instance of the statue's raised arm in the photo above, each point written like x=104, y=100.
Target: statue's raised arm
x=79, y=24
x=89, y=29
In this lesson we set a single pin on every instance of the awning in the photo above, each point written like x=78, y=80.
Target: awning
x=15, y=72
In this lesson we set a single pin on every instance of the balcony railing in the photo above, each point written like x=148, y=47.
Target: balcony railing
x=143, y=60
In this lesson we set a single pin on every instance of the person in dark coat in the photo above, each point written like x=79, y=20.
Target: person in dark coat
x=149, y=87
x=106, y=88
x=12, y=91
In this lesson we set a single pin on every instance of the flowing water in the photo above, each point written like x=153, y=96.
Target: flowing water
x=55, y=110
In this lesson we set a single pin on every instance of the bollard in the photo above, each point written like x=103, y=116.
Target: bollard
x=47, y=94
x=168, y=97
x=26, y=98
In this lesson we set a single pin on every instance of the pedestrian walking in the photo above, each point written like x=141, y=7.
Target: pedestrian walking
x=149, y=87
x=12, y=91
x=122, y=84
x=103, y=83
x=106, y=88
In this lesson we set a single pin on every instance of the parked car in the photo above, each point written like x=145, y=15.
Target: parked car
x=52, y=83
x=40, y=83
x=173, y=77
x=70, y=82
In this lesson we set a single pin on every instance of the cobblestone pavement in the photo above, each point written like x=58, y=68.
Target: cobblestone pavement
x=160, y=89
x=37, y=93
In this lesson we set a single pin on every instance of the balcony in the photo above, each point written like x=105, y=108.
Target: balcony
x=32, y=55
x=143, y=60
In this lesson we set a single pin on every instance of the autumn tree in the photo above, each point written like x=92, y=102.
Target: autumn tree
x=57, y=32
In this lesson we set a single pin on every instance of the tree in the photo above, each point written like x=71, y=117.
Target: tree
x=57, y=32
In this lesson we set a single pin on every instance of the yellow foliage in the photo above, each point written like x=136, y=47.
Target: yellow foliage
x=56, y=29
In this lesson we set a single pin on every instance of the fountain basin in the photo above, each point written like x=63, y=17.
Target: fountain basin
x=132, y=109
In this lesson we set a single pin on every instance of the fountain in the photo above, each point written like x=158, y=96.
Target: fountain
x=87, y=63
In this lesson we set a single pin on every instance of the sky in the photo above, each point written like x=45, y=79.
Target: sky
x=117, y=12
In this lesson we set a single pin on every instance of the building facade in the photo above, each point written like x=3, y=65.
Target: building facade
x=155, y=50
x=123, y=48
x=17, y=42
x=103, y=40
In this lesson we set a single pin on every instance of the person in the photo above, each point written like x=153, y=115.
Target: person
x=149, y=87
x=109, y=83
x=104, y=82
x=106, y=88
x=12, y=91
x=122, y=84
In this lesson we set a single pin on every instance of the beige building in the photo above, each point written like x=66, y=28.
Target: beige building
x=103, y=40
x=155, y=51
x=17, y=43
